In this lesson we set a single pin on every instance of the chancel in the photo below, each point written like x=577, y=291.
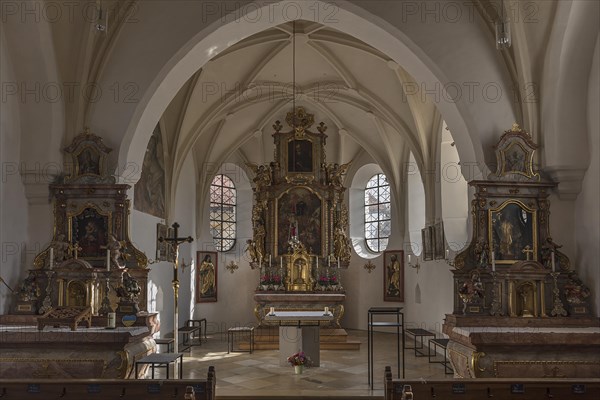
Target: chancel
x=326, y=159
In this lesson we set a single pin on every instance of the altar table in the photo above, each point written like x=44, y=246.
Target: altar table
x=299, y=331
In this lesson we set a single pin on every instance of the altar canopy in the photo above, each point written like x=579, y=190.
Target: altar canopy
x=513, y=277
x=299, y=217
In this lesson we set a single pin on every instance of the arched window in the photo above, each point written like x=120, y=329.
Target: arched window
x=222, y=212
x=378, y=213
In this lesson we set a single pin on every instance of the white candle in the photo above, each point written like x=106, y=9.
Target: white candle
x=260, y=261
x=326, y=310
x=272, y=310
x=269, y=261
x=409, y=258
x=281, y=261
x=553, y=262
x=107, y=260
x=112, y=320
x=338, y=262
x=51, y=258
x=493, y=260
x=447, y=254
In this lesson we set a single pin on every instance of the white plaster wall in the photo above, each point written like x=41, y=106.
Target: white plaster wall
x=13, y=210
x=235, y=302
x=587, y=206
x=416, y=207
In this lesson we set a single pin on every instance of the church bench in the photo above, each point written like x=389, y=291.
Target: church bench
x=443, y=344
x=483, y=388
x=105, y=389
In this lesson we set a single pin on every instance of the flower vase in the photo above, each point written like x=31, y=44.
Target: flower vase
x=298, y=369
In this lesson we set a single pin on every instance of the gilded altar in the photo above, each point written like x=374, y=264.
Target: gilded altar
x=299, y=217
x=520, y=309
x=90, y=250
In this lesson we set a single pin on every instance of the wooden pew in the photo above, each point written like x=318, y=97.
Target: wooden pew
x=496, y=389
x=103, y=389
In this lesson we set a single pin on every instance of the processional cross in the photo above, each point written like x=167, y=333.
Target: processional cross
x=175, y=242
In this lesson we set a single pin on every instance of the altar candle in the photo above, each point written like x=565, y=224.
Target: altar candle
x=447, y=253
x=269, y=261
x=281, y=261
x=409, y=258
x=112, y=320
x=260, y=262
x=553, y=263
x=107, y=260
x=51, y=258
x=326, y=310
x=493, y=261
x=338, y=262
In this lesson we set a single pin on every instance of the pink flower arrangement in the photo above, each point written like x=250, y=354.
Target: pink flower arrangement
x=298, y=358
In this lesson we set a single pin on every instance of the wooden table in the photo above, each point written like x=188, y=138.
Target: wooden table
x=299, y=331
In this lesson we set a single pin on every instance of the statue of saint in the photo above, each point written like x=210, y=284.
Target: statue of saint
x=114, y=246
x=341, y=245
x=61, y=248
x=252, y=251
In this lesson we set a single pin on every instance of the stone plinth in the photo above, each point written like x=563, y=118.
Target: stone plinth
x=492, y=347
x=96, y=352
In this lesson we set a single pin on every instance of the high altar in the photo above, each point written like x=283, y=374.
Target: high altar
x=520, y=309
x=89, y=265
x=300, y=222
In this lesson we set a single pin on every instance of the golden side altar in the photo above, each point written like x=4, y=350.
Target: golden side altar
x=520, y=308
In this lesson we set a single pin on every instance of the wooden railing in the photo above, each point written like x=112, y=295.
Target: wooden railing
x=495, y=389
x=204, y=389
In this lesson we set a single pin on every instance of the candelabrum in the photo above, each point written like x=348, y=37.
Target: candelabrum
x=47, y=303
x=496, y=307
x=416, y=265
x=558, y=308
x=105, y=307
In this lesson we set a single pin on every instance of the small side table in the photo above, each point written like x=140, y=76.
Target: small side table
x=198, y=323
x=398, y=324
x=166, y=341
x=188, y=337
x=160, y=360
x=232, y=332
x=419, y=333
x=442, y=343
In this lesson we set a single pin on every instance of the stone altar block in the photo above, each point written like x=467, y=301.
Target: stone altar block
x=299, y=331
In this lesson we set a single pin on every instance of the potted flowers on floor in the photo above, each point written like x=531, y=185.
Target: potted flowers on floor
x=298, y=361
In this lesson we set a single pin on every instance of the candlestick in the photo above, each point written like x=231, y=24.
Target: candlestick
x=51, y=264
x=553, y=262
x=107, y=260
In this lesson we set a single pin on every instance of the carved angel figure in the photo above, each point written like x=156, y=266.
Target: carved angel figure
x=575, y=291
x=252, y=250
x=262, y=175
x=114, y=246
x=61, y=248
x=546, y=252
x=130, y=288
x=336, y=173
x=29, y=289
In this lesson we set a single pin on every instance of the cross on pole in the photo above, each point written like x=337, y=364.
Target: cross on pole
x=175, y=242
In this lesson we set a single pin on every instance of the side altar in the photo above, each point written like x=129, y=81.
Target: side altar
x=520, y=309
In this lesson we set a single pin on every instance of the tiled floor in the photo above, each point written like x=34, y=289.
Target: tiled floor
x=341, y=374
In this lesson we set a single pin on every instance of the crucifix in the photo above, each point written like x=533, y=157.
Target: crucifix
x=175, y=242
x=528, y=251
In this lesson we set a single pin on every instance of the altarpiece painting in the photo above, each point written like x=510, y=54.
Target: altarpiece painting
x=149, y=191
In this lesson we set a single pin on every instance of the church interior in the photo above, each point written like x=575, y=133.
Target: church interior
x=279, y=176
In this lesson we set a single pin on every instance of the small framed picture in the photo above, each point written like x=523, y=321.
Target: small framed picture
x=427, y=239
x=393, y=275
x=206, y=276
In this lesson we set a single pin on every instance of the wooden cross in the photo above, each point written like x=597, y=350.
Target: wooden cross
x=527, y=250
x=175, y=242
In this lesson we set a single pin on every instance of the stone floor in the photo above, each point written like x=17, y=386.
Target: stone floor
x=342, y=373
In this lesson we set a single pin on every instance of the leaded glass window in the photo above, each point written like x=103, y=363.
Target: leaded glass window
x=378, y=215
x=223, y=199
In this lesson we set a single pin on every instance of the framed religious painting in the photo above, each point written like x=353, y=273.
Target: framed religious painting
x=88, y=231
x=427, y=242
x=393, y=275
x=439, y=241
x=206, y=276
x=513, y=232
x=161, y=246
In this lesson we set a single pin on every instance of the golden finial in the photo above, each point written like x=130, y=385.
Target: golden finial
x=516, y=127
